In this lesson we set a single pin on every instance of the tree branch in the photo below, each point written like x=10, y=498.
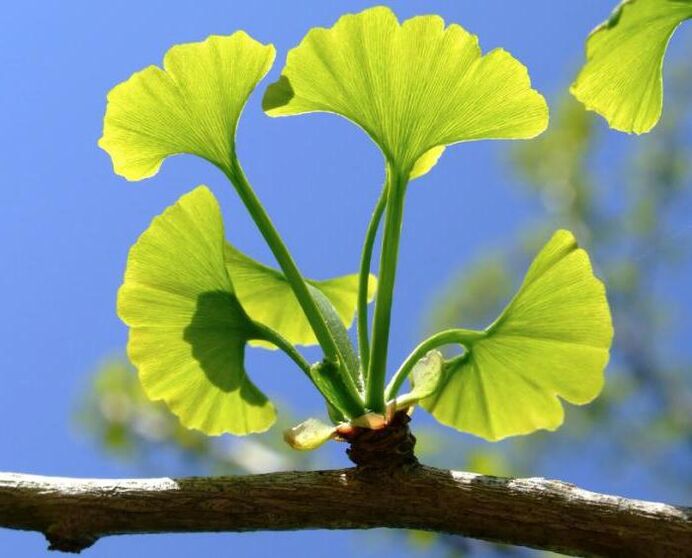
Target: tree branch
x=534, y=512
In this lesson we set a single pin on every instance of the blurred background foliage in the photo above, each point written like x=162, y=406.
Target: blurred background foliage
x=626, y=213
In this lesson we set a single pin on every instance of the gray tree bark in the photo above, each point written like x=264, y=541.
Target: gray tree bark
x=534, y=512
x=387, y=488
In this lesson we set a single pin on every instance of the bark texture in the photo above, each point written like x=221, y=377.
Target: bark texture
x=534, y=512
x=387, y=488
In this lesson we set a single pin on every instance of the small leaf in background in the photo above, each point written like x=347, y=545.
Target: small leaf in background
x=187, y=329
x=425, y=379
x=192, y=105
x=309, y=435
x=622, y=79
x=486, y=461
x=268, y=298
x=413, y=87
x=119, y=418
x=551, y=341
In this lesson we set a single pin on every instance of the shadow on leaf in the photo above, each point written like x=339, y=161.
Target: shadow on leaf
x=217, y=333
x=278, y=94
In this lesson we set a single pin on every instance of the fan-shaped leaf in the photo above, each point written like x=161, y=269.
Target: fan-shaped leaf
x=622, y=79
x=192, y=105
x=413, y=87
x=268, y=298
x=187, y=329
x=551, y=341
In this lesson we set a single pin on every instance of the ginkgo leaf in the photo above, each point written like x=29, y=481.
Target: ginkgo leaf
x=312, y=433
x=622, y=79
x=426, y=162
x=552, y=341
x=192, y=105
x=187, y=329
x=413, y=87
x=268, y=298
x=309, y=435
x=425, y=377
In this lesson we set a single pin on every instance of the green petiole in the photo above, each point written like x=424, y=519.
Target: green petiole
x=337, y=390
x=318, y=323
x=365, y=263
x=377, y=367
x=463, y=337
x=268, y=334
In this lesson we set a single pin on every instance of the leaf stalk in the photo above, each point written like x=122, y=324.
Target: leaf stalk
x=363, y=280
x=463, y=337
x=283, y=257
x=396, y=191
x=339, y=391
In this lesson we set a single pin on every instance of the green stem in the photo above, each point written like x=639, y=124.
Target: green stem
x=365, y=263
x=268, y=334
x=461, y=337
x=396, y=190
x=237, y=177
x=338, y=393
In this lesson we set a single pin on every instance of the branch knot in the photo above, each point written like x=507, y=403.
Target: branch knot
x=389, y=448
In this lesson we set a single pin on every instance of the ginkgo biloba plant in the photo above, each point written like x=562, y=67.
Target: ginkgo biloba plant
x=193, y=302
x=622, y=79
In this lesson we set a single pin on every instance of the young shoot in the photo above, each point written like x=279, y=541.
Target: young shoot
x=194, y=302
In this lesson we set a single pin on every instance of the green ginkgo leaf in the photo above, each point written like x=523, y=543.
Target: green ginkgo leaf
x=425, y=377
x=187, y=329
x=413, y=87
x=551, y=341
x=268, y=298
x=309, y=435
x=192, y=105
x=622, y=79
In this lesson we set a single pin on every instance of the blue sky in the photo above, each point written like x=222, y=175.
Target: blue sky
x=68, y=221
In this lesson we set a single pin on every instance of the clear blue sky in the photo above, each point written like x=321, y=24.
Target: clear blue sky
x=68, y=221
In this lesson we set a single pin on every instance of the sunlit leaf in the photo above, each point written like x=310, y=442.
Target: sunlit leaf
x=309, y=435
x=622, y=79
x=192, y=105
x=413, y=87
x=268, y=298
x=187, y=330
x=551, y=342
x=426, y=162
x=425, y=379
x=348, y=359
